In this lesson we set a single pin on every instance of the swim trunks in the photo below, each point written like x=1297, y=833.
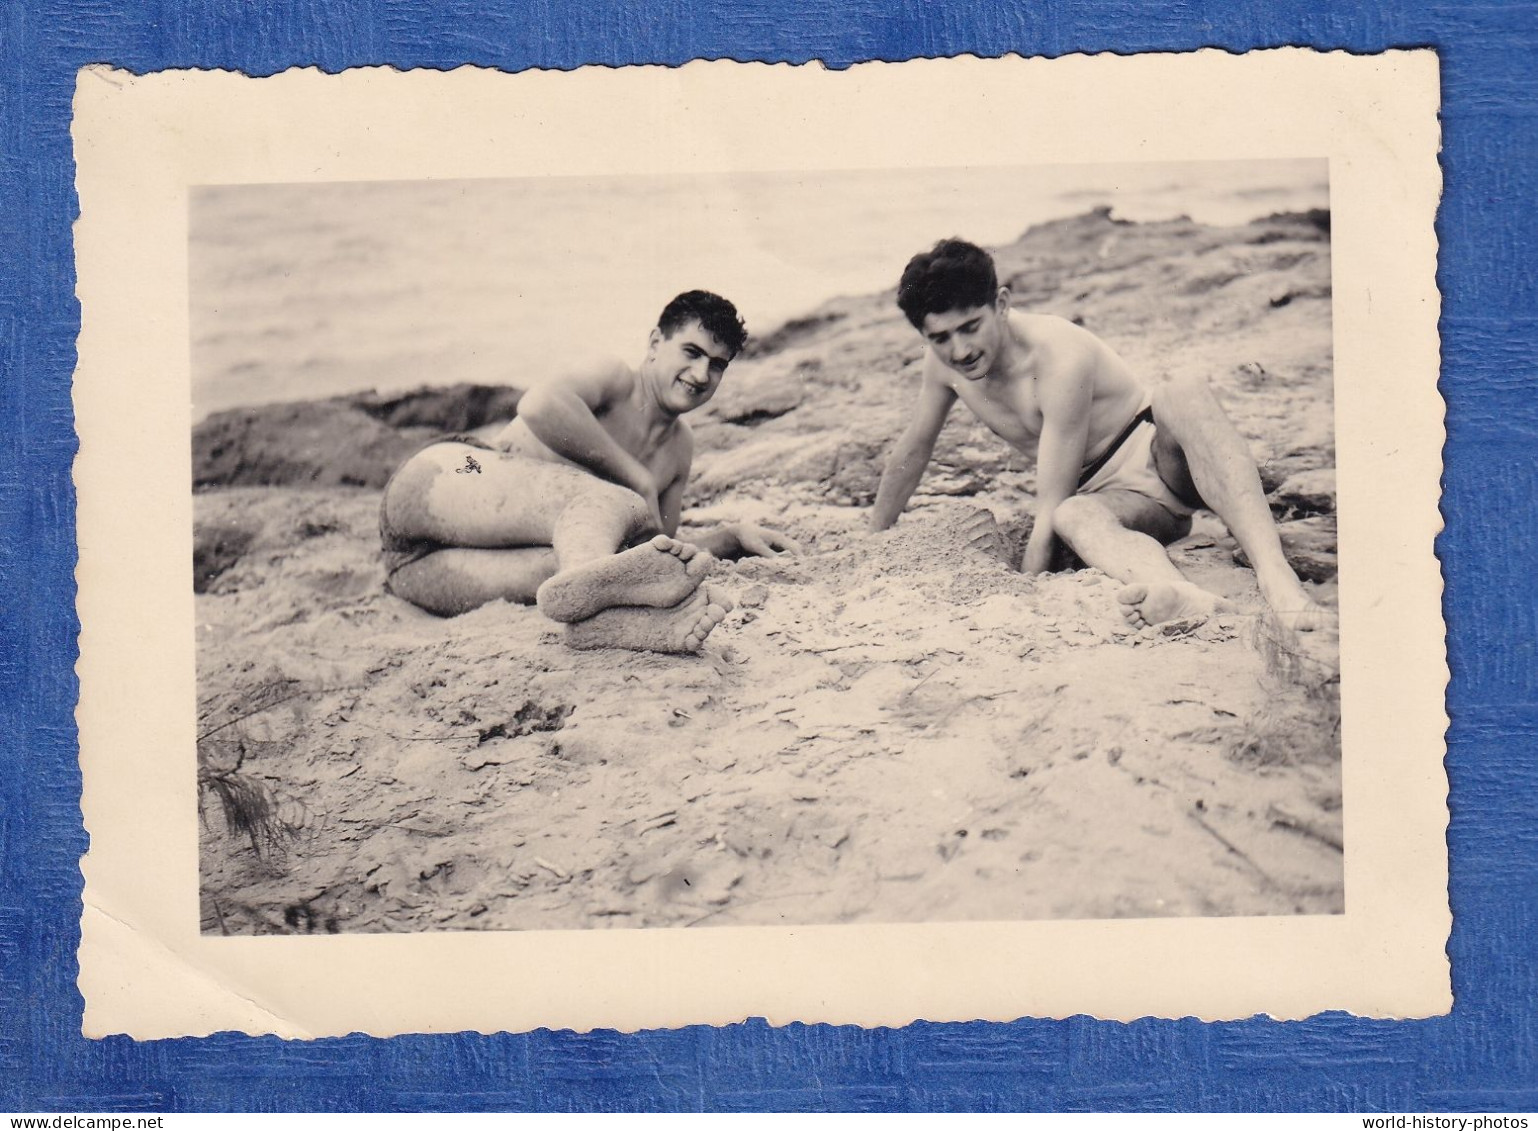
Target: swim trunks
x=1128, y=465
x=400, y=550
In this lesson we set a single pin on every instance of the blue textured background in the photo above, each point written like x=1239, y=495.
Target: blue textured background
x=1481, y=1057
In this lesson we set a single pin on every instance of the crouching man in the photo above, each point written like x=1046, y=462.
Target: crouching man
x=1119, y=466
x=577, y=502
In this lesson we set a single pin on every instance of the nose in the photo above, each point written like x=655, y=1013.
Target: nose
x=961, y=348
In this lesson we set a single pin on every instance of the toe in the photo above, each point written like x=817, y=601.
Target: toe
x=1132, y=594
x=701, y=629
x=698, y=563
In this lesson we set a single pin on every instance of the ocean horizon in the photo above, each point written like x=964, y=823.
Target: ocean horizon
x=316, y=290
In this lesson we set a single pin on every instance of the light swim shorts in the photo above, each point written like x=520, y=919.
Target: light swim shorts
x=1128, y=465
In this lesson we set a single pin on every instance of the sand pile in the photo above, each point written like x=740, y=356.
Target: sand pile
x=892, y=727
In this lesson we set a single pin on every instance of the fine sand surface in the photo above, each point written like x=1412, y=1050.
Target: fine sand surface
x=892, y=727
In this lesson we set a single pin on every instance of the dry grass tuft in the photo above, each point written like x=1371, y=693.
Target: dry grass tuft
x=252, y=808
x=1300, y=721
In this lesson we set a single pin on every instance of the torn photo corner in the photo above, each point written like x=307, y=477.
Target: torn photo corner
x=839, y=774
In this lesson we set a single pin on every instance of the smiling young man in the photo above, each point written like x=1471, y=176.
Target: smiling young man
x=1119, y=466
x=593, y=462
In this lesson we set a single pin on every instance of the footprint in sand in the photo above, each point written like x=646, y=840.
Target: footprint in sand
x=659, y=574
x=681, y=629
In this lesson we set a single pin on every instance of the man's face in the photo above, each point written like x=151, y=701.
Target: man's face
x=686, y=367
x=966, y=340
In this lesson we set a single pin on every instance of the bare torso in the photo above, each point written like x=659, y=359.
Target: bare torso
x=664, y=451
x=1047, y=349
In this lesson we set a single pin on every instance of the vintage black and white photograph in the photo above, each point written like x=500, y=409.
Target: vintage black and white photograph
x=781, y=548
x=945, y=540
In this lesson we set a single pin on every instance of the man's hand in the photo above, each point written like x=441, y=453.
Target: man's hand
x=762, y=543
x=648, y=492
x=744, y=538
x=1038, y=549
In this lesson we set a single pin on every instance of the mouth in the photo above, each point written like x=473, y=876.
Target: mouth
x=691, y=388
x=969, y=365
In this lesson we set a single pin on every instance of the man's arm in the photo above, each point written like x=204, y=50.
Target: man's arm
x=1066, y=397
x=905, y=466
x=729, y=540
x=562, y=414
x=671, y=501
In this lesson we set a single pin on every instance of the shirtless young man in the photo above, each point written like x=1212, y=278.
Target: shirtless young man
x=1119, y=466
x=593, y=462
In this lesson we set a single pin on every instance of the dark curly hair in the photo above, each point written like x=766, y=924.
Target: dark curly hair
x=952, y=275
x=715, y=315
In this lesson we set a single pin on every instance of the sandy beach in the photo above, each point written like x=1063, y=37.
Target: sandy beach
x=888, y=728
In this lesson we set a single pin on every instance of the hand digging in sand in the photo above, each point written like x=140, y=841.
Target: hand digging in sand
x=1119, y=466
x=594, y=462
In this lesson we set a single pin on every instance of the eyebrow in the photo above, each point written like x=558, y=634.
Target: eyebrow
x=941, y=335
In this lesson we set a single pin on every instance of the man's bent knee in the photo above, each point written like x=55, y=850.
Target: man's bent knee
x=1178, y=391
x=1076, y=513
x=1182, y=393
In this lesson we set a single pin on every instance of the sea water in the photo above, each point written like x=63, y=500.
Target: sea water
x=302, y=291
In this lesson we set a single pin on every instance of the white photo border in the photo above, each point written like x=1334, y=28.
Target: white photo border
x=142, y=141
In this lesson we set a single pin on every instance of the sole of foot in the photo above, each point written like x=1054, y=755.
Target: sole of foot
x=680, y=630
x=1146, y=605
x=658, y=574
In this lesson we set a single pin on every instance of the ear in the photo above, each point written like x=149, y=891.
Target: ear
x=654, y=339
x=1001, y=301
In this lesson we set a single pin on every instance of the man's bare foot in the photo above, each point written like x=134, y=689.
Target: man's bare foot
x=659, y=574
x=1145, y=605
x=1310, y=617
x=681, y=629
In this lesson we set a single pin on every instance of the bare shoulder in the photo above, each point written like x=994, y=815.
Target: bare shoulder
x=1068, y=351
x=1054, y=335
x=936, y=374
x=597, y=384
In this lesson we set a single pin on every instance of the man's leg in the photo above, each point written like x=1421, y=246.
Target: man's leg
x=498, y=517
x=454, y=580
x=1123, y=534
x=1196, y=444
